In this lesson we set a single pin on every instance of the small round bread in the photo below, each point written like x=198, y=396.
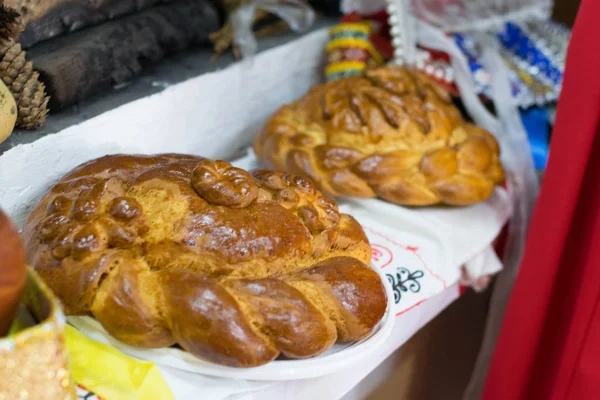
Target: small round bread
x=13, y=272
x=235, y=267
x=391, y=133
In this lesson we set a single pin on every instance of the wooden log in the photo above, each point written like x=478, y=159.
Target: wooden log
x=45, y=19
x=79, y=65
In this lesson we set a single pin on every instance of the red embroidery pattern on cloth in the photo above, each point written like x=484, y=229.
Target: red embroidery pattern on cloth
x=380, y=253
x=411, y=249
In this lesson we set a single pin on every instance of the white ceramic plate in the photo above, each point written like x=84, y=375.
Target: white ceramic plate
x=333, y=360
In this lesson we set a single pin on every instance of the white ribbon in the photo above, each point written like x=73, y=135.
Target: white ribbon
x=296, y=13
x=522, y=180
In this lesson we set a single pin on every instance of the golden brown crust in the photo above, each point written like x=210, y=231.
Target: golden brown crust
x=13, y=272
x=235, y=267
x=391, y=133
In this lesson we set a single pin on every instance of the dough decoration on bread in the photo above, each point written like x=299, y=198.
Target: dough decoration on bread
x=236, y=267
x=390, y=133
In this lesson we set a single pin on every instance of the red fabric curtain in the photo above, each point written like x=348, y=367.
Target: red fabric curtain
x=549, y=345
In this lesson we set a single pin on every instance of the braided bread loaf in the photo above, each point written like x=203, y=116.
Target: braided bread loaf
x=391, y=133
x=235, y=267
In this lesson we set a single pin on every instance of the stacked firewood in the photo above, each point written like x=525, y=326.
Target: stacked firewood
x=56, y=53
x=65, y=51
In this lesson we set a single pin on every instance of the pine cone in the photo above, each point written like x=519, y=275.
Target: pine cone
x=10, y=24
x=23, y=82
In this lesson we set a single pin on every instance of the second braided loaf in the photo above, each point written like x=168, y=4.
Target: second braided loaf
x=392, y=133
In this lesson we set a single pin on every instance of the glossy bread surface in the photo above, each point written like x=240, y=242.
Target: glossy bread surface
x=236, y=267
x=391, y=133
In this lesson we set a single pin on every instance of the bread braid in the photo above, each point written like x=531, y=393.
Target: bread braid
x=236, y=268
x=241, y=322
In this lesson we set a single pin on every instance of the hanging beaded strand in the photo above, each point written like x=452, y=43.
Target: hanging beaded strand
x=406, y=52
x=395, y=11
x=403, y=32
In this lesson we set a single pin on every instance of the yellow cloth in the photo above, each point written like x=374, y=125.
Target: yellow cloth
x=112, y=375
